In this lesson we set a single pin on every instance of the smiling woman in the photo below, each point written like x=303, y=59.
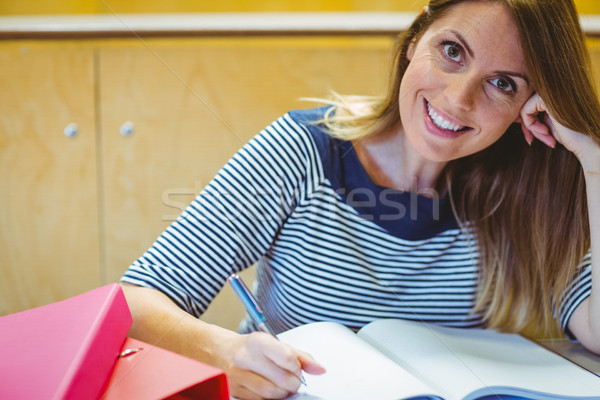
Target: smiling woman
x=467, y=71
x=432, y=203
x=464, y=71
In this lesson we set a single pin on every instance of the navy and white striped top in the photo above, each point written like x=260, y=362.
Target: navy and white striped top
x=329, y=244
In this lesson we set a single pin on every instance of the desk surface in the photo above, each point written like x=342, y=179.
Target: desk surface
x=575, y=353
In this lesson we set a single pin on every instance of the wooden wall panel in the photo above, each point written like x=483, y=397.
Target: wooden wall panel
x=594, y=49
x=49, y=241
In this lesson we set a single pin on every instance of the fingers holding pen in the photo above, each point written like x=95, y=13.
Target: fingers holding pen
x=263, y=367
x=261, y=353
x=248, y=385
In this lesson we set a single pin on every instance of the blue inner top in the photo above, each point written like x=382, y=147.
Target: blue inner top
x=406, y=215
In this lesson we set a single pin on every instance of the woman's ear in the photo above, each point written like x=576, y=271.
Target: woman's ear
x=410, y=52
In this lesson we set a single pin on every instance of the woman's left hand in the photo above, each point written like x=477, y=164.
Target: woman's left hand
x=550, y=131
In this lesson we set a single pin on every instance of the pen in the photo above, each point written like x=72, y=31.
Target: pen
x=251, y=305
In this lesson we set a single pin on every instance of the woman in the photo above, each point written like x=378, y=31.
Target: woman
x=435, y=203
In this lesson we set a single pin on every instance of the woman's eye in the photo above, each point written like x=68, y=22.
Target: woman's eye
x=452, y=51
x=504, y=84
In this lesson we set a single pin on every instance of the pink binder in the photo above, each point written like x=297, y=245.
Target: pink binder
x=64, y=350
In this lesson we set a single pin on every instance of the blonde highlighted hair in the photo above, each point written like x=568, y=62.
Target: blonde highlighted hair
x=527, y=204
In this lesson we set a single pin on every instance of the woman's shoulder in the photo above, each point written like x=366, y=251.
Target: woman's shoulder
x=312, y=123
x=317, y=125
x=310, y=116
x=350, y=106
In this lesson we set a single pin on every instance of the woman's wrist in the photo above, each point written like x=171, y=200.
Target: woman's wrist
x=590, y=160
x=219, y=345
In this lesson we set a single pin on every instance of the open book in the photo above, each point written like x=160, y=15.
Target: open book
x=396, y=359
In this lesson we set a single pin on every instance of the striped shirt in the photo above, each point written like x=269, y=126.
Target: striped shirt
x=330, y=245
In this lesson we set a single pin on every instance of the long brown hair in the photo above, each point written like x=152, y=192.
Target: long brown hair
x=527, y=205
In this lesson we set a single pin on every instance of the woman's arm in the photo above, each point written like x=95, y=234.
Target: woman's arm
x=230, y=225
x=257, y=365
x=585, y=320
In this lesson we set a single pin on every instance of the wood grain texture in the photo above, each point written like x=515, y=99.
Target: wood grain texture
x=49, y=238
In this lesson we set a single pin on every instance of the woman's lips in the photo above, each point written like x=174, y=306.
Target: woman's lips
x=440, y=125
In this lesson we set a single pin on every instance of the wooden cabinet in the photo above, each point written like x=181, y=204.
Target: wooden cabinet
x=49, y=236
x=157, y=119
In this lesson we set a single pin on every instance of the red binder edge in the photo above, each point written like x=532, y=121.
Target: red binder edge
x=156, y=373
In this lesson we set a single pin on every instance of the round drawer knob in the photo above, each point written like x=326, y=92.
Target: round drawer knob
x=127, y=128
x=71, y=130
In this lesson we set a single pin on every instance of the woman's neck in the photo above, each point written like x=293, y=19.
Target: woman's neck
x=391, y=162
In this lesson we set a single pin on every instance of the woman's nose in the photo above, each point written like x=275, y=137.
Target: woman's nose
x=461, y=91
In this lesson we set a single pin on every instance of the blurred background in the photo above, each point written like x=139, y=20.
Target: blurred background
x=9, y=7
x=107, y=132
x=155, y=6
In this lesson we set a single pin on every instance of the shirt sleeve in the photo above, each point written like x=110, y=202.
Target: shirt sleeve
x=577, y=292
x=233, y=221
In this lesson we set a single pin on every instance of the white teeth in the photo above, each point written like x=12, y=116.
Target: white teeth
x=441, y=122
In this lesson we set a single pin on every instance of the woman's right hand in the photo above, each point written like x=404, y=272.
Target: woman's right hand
x=261, y=367
x=257, y=365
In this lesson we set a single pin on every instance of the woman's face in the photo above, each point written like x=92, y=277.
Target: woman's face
x=465, y=84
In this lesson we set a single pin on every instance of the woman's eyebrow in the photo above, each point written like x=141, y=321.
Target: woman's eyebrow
x=462, y=41
x=512, y=73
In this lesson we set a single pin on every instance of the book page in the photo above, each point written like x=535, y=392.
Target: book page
x=355, y=370
x=461, y=361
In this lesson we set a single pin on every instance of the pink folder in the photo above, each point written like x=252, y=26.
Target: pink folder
x=64, y=350
x=148, y=372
